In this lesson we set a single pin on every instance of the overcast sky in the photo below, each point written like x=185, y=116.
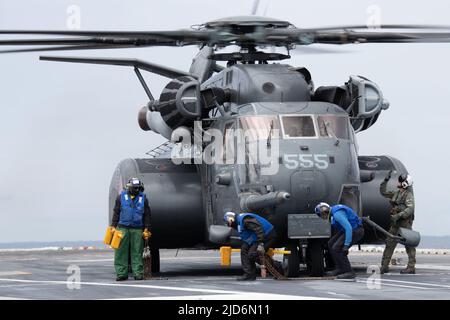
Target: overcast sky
x=64, y=127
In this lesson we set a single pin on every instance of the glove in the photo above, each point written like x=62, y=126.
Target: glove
x=345, y=249
x=146, y=234
x=260, y=248
x=388, y=175
x=113, y=229
x=395, y=217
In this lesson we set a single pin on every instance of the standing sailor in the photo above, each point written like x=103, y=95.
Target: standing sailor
x=402, y=216
x=131, y=217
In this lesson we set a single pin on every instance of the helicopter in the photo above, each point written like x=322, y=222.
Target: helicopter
x=241, y=102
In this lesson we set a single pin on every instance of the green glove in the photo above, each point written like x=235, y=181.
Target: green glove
x=395, y=217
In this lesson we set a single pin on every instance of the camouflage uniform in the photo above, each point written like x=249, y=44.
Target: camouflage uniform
x=402, y=215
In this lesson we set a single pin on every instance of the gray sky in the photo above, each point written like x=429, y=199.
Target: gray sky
x=64, y=127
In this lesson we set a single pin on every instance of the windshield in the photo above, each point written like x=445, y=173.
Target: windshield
x=333, y=127
x=260, y=127
x=298, y=126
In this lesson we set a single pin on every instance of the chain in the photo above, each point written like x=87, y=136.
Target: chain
x=267, y=262
x=147, y=257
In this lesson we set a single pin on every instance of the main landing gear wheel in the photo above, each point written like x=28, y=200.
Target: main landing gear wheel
x=291, y=262
x=154, y=252
x=315, y=258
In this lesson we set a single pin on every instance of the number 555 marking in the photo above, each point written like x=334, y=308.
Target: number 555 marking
x=306, y=161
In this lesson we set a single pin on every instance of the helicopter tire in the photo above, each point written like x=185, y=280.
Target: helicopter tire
x=156, y=266
x=315, y=259
x=291, y=262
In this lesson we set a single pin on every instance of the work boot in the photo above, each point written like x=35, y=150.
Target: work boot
x=121, y=278
x=408, y=270
x=333, y=273
x=346, y=275
x=246, y=277
x=384, y=269
x=138, y=278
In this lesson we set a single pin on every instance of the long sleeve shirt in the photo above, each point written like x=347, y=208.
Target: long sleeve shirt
x=116, y=215
x=253, y=224
x=402, y=200
x=341, y=218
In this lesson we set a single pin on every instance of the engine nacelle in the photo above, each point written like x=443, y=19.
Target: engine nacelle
x=360, y=97
x=149, y=119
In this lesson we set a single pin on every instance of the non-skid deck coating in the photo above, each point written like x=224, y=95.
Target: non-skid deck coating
x=194, y=274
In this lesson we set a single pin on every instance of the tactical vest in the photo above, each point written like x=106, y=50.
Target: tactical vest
x=247, y=235
x=352, y=217
x=132, y=210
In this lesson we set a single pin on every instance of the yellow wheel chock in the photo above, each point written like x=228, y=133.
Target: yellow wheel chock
x=225, y=254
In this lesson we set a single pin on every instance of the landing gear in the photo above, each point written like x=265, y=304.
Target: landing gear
x=154, y=252
x=291, y=262
x=315, y=258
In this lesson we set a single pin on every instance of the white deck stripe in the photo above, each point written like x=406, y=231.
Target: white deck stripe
x=393, y=285
x=218, y=294
x=420, y=283
x=106, y=284
x=241, y=296
x=13, y=273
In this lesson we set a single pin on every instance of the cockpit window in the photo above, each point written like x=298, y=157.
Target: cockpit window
x=260, y=127
x=333, y=127
x=298, y=126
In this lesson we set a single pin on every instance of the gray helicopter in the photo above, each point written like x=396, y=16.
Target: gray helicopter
x=241, y=102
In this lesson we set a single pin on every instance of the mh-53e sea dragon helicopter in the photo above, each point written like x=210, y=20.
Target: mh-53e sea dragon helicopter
x=309, y=132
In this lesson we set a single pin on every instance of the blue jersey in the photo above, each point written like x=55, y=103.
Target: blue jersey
x=249, y=236
x=345, y=219
x=132, y=210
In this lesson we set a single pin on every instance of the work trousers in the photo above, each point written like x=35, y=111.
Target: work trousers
x=250, y=256
x=336, y=245
x=130, y=249
x=391, y=244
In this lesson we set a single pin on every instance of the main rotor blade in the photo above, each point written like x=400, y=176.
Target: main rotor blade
x=63, y=41
x=68, y=48
x=225, y=37
x=344, y=36
x=164, y=36
x=383, y=26
x=380, y=37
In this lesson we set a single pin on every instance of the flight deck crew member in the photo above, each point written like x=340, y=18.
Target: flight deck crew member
x=349, y=230
x=257, y=235
x=132, y=217
x=402, y=215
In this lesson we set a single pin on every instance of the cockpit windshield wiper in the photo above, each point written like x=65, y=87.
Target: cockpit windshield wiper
x=269, y=138
x=330, y=131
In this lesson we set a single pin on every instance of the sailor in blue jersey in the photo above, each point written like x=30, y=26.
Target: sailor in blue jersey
x=348, y=231
x=132, y=218
x=257, y=235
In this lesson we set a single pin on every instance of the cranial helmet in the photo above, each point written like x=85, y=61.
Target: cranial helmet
x=229, y=216
x=321, y=207
x=135, y=186
x=405, y=180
